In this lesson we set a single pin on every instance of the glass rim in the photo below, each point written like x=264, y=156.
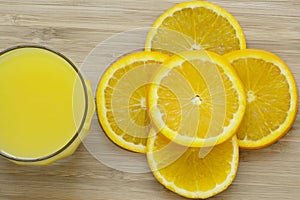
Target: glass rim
x=78, y=131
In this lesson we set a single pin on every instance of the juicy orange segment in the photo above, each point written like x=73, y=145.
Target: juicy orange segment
x=271, y=97
x=195, y=25
x=197, y=99
x=121, y=99
x=192, y=172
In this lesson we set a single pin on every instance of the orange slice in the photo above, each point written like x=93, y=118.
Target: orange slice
x=193, y=172
x=195, y=25
x=121, y=99
x=271, y=97
x=197, y=99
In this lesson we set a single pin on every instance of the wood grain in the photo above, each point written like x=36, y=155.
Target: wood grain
x=75, y=27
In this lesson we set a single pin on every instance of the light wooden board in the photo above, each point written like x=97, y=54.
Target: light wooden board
x=74, y=28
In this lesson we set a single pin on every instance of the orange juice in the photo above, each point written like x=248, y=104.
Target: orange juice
x=44, y=105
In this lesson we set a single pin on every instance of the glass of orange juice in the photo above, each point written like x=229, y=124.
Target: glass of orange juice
x=46, y=105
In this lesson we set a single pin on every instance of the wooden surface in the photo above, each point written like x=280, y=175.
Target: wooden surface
x=74, y=28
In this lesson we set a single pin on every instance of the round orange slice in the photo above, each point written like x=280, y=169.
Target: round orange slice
x=122, y=99
x=192, y=172
x=272, y=98
x=195, y=25
x=197, y=99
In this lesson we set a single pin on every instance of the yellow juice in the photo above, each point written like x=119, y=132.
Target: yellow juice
x=43, y=104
